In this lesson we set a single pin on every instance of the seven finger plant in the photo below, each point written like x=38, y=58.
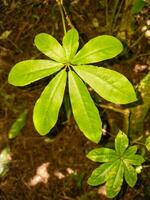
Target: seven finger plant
x=75, y=69
x=118, y=163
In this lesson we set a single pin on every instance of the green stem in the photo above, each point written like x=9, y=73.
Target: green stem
x=60, y=5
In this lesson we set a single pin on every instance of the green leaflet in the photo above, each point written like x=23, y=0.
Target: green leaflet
x=121, y=143
x=109, y=84
x=84, y=110
x=98, y=49
x=99, y=175
x=49, y=46
x=18, y=125
x=134, y=159
x=130, y=151
x=71, y=43
x=115, y=179
x=130, y=174
x=47, y=107
x=28, y=71
x=102, y=155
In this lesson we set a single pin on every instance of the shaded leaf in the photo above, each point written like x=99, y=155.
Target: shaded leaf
x=147, y=143
x=49, y=46
x=109, y=84
x=121, y=143
x=130, y=151
x=71, y=43
x=84, y=110
x=98, y=49
x=134, y=159
x=28, y=71
x=102, y=155
x=18, y=125
x=138, y=5
x=47, y=107
x=99, y=175
x=115, y=179
x=130, y=174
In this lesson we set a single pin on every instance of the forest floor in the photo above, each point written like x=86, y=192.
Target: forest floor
x=55, y=167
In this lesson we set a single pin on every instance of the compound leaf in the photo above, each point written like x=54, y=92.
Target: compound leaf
x=98, y=49
x=130, y=174
x=71, y=43
x=102, y=155
x=49, y=46
x=47, y=107
x=109, y=84
x=28, y=71
x=115, y=179
x=99, y=175
x=84, y=110
x=121, y=143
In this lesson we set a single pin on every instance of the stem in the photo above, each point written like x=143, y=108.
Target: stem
x=106, y=12
x=60, y=5
x=113, y=13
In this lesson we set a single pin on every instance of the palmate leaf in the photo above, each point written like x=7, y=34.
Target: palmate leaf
x=118, y=164
x=102, y=155
x=98, y=49
x=49, y=46
x=109, y=84
x=84, y=110
x=71, y=43
x=28, y=71
x=47, y=107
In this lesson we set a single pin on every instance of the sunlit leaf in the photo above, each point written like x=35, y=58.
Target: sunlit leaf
x=102, y=155
x=28, y=71
x=121, y=143
x=47, y=107
x=49, y=46
x=71, y=43
x=98, y=49
x=18, y=125
x=84, y=110
x=109, y=84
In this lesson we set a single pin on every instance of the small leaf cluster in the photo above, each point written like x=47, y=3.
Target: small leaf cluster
x=71, y=68
x=117, y=164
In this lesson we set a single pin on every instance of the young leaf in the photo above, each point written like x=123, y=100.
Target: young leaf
x=28, y=71
x=115, y=179
x=109, y=84
x=99, y=174
x=130, y=174
x=49, y=46
x=71, y=43
x=102, y=155
x=84, y=110
x=147, y=143
x=98, y=49
x=48, y=105
x=18, y=125
x=121, y=143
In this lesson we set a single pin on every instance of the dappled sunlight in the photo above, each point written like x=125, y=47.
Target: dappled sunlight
x=41, y=175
